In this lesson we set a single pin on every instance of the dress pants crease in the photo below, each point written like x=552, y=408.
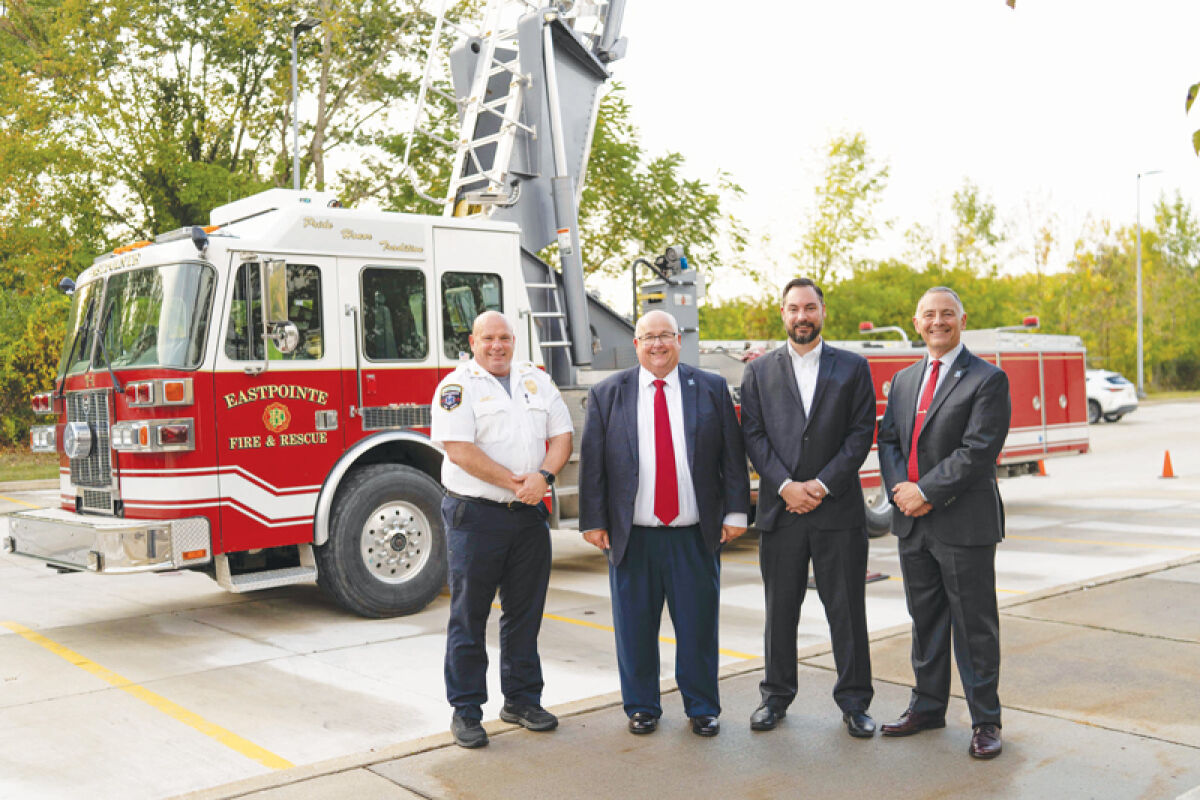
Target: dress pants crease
x=839, y=562
x=951, y=597
x=671, y=566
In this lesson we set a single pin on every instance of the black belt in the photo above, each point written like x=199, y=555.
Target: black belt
x=512, y=505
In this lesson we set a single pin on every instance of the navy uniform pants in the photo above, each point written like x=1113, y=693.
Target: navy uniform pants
x=490, y=549
x=670, y=564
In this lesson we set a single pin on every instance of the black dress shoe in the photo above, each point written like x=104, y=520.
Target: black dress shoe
x=706, y=725
x=859, y=723
x=985, y=741
x=642, y=722
x=765, y=718
x=911, y=722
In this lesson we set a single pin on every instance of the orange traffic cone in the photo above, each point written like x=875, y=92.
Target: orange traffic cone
x=1167, y=471
x=1041, y=473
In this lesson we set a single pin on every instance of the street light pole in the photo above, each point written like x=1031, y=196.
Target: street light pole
x=297, y=29
x=1141, y=389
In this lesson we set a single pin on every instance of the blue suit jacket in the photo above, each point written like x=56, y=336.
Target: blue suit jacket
x=608, y=467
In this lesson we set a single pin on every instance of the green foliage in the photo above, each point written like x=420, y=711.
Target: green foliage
x=635, y=205
x=846, y=199
x=32, y=328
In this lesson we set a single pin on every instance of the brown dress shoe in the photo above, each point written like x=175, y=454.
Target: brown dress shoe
x=911, y=722
x=985, y=741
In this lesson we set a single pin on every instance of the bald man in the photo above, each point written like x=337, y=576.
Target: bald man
x=663, y=484
x=506, y=433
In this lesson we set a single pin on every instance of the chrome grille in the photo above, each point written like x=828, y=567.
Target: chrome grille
x=94, y=500
x=94, y=470
x=378, y=418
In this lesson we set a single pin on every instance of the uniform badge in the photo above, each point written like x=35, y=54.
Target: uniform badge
x=451, y=396
x=531, y=385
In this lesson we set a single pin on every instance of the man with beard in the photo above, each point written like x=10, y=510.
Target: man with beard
x=808, y=417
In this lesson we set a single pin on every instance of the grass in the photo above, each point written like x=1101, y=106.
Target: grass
x=1192, y=394
x=22, y=465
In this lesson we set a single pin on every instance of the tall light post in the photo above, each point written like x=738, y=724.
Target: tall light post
x=1140, y=372
x=300, y=27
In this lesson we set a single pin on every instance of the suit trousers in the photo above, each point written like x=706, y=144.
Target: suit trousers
x=671, y=564
x=951, y=595
x=494, y=548
x=839, y=561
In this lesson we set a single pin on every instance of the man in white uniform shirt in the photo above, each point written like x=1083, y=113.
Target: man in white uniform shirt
x=507, y=433
x=663, y=485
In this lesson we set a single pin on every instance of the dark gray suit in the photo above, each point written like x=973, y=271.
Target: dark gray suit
x=830, y=444
x=948, y=555
x=680, y=564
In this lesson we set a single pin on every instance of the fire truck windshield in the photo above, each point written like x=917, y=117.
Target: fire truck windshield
x=152, y=317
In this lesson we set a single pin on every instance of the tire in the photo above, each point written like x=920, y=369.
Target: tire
x=879, y=512
x=1093, y=412
x=1112, y=417
x=386, y=554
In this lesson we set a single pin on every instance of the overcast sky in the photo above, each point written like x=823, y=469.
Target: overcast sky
x=1054, y=106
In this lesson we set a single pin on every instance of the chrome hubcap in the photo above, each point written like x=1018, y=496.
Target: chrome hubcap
x=395, y=542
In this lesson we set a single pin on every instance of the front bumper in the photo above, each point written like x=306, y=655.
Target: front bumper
x=108, y=544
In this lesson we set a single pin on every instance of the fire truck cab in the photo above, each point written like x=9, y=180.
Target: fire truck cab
x=251, y=399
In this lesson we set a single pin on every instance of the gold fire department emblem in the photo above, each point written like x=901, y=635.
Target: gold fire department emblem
x=277, y=417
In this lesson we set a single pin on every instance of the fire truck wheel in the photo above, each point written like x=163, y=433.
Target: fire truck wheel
x=386, y=554
x=1093, y=412
x=879, y=512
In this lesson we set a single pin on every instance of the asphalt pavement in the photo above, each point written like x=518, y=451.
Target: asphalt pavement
x=1098, y=682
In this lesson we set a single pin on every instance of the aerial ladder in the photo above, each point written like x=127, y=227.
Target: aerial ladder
x=522, y=87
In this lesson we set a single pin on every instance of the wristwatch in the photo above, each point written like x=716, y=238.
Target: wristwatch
x=548, y=475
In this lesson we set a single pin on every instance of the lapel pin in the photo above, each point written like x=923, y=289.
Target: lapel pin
x=958, y=373
x=691, y=382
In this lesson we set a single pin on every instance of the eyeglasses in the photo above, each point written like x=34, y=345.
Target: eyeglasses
x=657, y=338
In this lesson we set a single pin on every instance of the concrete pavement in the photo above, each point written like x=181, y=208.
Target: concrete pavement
x=1099, y=684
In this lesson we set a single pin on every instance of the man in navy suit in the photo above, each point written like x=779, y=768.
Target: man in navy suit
x=946, y=420
x=663, y=484
x=808, y=414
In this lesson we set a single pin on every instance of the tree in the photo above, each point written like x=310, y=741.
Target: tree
x=635, y=205
x=975, y=235
x=852, y=186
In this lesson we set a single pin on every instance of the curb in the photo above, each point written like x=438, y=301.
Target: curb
x=22, y=486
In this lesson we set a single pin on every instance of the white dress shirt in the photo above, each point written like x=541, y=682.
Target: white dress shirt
x=643, y=504
x=806, y=369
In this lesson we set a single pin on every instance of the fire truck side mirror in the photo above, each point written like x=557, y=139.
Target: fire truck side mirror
x=67, y=286
x=285, y=336
x=275, y=291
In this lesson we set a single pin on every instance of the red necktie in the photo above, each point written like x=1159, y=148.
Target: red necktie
x=922, y=408
x=666, y=487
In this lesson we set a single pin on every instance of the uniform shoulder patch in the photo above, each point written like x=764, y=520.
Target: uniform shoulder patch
x=451, y=396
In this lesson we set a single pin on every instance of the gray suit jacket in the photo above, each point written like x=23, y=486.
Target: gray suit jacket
x=830, y=443
x=608, y=465
x=965, y=428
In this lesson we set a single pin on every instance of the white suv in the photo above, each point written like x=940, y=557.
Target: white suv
x=1109, y=395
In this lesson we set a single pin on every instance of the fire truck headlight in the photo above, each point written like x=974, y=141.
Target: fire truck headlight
x=42, y=439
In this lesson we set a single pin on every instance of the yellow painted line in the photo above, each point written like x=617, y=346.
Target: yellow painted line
x=18, y=502
x=173, y=710
x=1106, y=544
x=664, y=639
